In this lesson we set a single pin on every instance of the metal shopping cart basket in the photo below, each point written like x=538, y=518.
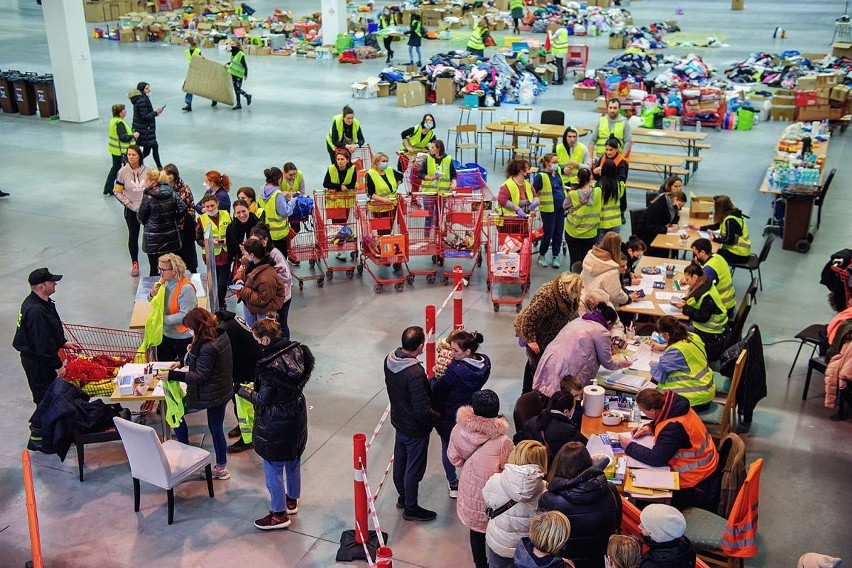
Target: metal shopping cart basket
x=509, y=253
x=310, y=245
x=384, y=243
x=336, y=226
x=422, y=213
x=461, y=232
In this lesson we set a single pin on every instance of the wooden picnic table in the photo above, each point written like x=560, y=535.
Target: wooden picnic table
x=663, y=164
x=551, y=132
x=657, y=310
x=672, y=240
x=688, y=140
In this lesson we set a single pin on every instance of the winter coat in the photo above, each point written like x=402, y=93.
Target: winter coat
x=209, y=381
x=280, y=412
x=600, y=270
x=523, y=484
x=480, y=447
x=838, y=373
x=144, y=118
x=656, y=219
x=245, y=350
x=545, y=316
x=676, y=553
x=236, y=233
x=409, y=394
x=593, y=506
x=456, y=387
x=159, y=213
x=559, y=431
x=263, y=291
x=524, y=557
x=753, y=381
x=579, y=350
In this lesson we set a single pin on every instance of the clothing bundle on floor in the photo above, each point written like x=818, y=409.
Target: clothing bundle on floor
x=650, y=37
x=783, y=70
x=633, y=63
x=689, y=70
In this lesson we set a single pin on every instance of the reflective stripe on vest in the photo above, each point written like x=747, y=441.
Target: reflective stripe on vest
x=697, y=463
x=441, y=185
x=575, y=156
x=743, y=245
x=724, y=281
x=611, y=209
x=717, y=322
x=385, y=185
x=418, y=140
x=174, y=306
x=559, y=42
x=115, y=146
x=337, y=124
x=583, y=220
x=287, y=187
x=603, y=133
x=515, y=195
x=545, y=194
x=279, y=226
x=740, y=533
x=218, y=229
x=190, y=53
x=237, y=68
x=476, y=42
x=697, y=384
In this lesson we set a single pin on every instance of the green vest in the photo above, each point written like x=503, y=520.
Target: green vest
x=190, y=53
x=603, y=133
x=695, y=385
x=743, y=244
x=515, y=195
x=476, y=41
x=442, y=184
x=545, y=194
x=218, y=230
x=583, y=220
x=237, y=68
x=174, y=402
x=724, y=283
x=334, y=174
x=279, y=226
x=717, y=322
x=516, y=4
x=559, y=42
x=297, y=183
x=418, y=140
x=116, y=147
x=385, y=185
x=611, y=210
x=385, y=21
x=575, y=156
x=337, y=124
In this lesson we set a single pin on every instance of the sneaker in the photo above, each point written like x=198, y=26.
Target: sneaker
x=454, y=489
x=341, y=256
x=555, y=263
x=234, y=432
x=294, y=262
x=418, y=513
x=400, y=502
x=220, y=472
x=187, y=108
x=542, y=260
x=292, y=506
x=134, y=269
x=248, y=100
x=239, y=446
x=273, y=521
x=238, y=107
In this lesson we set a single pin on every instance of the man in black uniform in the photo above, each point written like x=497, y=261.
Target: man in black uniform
x=39, y=336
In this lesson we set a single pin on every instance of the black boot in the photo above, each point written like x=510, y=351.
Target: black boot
x=5, y=194
x=187, y=108
x=34, y=443
x=213, y=103
x=248, y=100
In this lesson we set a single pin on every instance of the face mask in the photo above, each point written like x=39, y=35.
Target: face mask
x=429, y=125
x=554, y=167
x=206, y=185
x=214, y=213
x=251, y=258
x=383, y=165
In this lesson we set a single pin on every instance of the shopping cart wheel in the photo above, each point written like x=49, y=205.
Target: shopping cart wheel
x=430, y=279
x=330, y=275
x=378, y=288
x=488, y=285
x=360, y=269
x=397, y=266
x=410, y=279
x=434, y=259
x=518, y=307
x=496, y=308
x=445, y=280
x=350, y=273
x=399, y=286
x=320, y=282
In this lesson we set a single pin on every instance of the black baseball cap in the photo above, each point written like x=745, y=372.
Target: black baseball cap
x=42, y=275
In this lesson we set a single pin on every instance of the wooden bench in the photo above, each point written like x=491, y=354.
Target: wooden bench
x=642, y=185
x=656, y=170
x=666, y=142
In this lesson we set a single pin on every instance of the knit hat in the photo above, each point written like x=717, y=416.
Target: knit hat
x=816, y=560
x=485, y=403
x=662, y=522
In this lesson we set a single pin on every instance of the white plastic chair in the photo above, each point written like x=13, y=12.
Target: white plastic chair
x=162, y=464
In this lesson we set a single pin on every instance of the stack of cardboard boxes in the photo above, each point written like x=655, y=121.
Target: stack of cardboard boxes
x=820, y=97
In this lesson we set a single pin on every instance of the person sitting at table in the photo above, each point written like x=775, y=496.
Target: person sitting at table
x=573, y=156
x=672, y=183
x=512, y=201
x=681, y=441
x=733, y=237
x=683, y=366
x=602, y=269
x=582, y=216
x=611, y=171
x=579, y=350
x=717, y=270
x=632, y=250
x=706, y=312
x=663, y=213
x=553, y=426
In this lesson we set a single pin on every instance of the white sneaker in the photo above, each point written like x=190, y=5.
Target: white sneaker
x=341, y=256
x=454, y=489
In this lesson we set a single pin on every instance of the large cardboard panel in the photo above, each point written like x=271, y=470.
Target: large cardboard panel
x=410, y=94
x=445, y=91
x=209, y=79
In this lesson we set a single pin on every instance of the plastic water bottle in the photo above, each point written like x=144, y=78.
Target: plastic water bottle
x=698, y=126
x=635, y=413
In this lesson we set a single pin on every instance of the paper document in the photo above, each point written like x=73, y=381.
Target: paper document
x=627, y=381
x=643, y=356
x=704, y=234
x=643, y=305
x=667, y=296
x=597, y=446
x=656, y=479
x=671, y=310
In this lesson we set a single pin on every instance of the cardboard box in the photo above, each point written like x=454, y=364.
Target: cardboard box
x=502, y=5
x=499, y=25
x=410, y=94
x=828, y=79
x=836, y=114
x=674, y=123
x=582, y=93
x=445, y=91
x=617, y=41
x=384, y=89
x=93, y=12
x=700, y=205
x=600, y=104
x=126, y=34
x=841, y=48
x=806, y=83
x=840, y=93
x=391, y=246
x=362, y=90
x=783, y=100
x=782, y=112
x=737, y=4
x=813, y=112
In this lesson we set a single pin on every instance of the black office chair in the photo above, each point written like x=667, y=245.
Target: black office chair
x=552, y=117
x=822, y=193
x=635, y=215
x=754, y=261
x=739, y=322
x=814, y=364
x=751, y=292
x=811, y=335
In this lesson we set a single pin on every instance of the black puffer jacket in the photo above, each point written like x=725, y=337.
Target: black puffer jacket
x=593, y=506
x=558, y=431
x=456, y=387
x=144, y=118
x=676, y=553
x=209, y=381
x=409, y=394
x=281, y=413
x=246, y=351
x=159, y=213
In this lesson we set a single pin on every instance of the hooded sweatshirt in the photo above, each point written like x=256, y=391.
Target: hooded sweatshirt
x=601, y=271
x=456, y=387
x=524, y=557
x=283, y=206
x=130, y=185
x=523, y=484
x=586, y=197
x=409, y=394
x=676, y=553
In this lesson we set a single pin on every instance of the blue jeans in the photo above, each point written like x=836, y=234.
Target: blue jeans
x=449, y=468
x=188, y=99
x=215, y=422
x=552, y=225
x=273, y=471
x=409, y=465
x=411, y=49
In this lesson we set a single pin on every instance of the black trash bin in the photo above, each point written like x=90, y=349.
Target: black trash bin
x=7, y=92
x=45, y=93
x=25, y=93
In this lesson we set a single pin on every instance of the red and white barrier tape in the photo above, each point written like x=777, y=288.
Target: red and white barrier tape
x=381, y=423
x=384, y=477
x=372, y=506
x=364, y=540
x=450, y=296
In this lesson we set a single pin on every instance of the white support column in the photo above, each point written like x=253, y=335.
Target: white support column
x=333, y=20
x=70, y=60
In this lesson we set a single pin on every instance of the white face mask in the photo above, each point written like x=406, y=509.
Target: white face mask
x=206, y=185
x=430, y=125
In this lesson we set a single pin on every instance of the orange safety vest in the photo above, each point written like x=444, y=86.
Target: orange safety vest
x=697, y=462
x=738, y=538
x=173, y=301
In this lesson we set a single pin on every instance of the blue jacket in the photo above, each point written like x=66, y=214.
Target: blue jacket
x=455, y=389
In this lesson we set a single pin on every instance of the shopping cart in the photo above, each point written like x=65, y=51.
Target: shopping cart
x=336, y=228
x=461, y=232
x=422, y=214
x=509, y=251
x=310, y=245
x=362, y=157
x=384, y=242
